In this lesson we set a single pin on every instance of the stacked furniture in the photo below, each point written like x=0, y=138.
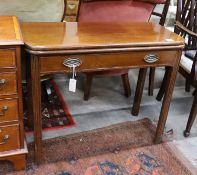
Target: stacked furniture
x=12, y=145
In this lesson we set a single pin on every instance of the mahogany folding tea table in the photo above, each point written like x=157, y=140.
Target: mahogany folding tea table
x=97, y=46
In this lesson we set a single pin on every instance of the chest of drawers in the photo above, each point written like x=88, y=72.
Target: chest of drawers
x=12, y=144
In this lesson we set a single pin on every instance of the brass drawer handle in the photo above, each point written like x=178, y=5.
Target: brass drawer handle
x=72, y=62
x=71, y=6
x=3, y=110
x=2, y=82
x=151, y=58
x=5, y=139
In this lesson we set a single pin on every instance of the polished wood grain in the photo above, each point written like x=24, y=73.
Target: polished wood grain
x=11, y=107
x=18, y=157
x=98, y=8
x=12, y=110
x=13, y=142
x=10, y=31
x=170, y=82
x=100, y=46
x=7, y=58
x=8, y=83
x=54, y=64
x=74, y=36
x=185, y=26
x=20, y=95
x=139, y=91
x=19, y=160
x=35, y=104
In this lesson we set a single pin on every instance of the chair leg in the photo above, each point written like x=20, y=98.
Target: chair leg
x=87, y=88
x=187, y=85
x=139, y=91
x=151, y=81
x=163, y=87
x=194, y=93
x=192, y=116
x=126, y=85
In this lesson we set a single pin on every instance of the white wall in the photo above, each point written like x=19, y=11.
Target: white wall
x=33, y=10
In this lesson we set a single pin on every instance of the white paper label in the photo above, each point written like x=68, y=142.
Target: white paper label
x=72, y=85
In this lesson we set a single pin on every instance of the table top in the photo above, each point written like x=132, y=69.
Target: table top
x=64, y=36
x=10, y=31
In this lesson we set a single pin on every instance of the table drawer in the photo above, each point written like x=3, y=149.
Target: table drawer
x=7, y=58
x=9, y=138
x=8, y=110
x=90, y=62
x=8, y=83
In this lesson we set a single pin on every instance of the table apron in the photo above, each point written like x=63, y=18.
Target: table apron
x=104, y=61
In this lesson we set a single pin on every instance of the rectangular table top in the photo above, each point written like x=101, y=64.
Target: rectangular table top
x=64, y=36
x=10, y=31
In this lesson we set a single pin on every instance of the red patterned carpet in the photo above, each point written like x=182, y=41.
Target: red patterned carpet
x=55, y=113
x=121, y=149
x=150, y=160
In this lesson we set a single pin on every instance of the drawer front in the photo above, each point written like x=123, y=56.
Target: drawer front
x=91, y=62
x=8, y=83
x=8, y=110
x=9, y=138
x=72, y=8
x=7, y=58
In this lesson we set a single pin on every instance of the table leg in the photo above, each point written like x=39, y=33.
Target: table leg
x=139, y=91
x=151, y=81
x=162, y=87
x=192, y=116
x=170, y=82
x=35, y=92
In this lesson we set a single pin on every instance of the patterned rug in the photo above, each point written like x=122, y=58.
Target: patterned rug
x=150, y=160
x=120, y=149
x=55, y=113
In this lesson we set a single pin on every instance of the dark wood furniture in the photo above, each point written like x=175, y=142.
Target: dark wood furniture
x=181, y=16
x=193, y=112
x=113, y=11
x=185, y=26
x=12, y=144
x=192, y=115
x=99, y=46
